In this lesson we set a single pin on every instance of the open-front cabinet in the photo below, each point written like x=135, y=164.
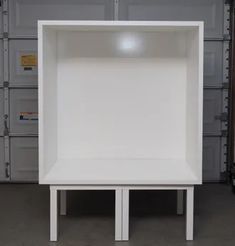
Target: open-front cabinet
x=120, y=103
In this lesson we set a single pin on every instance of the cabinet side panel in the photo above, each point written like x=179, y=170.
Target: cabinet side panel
x=47, y=101
x=194, y=103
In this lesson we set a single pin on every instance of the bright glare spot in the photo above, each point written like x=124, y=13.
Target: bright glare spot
x=129, y=43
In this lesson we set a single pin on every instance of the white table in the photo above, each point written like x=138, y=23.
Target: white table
x=121, y=206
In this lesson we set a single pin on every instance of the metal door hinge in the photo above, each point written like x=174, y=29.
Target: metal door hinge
x=226, y=33
x=225, y=85
x=6, y=130
x=233, y=168
x=229, y=2
x=5, y=84
x=5, y=35
x=224, y=133
x=223, y=176
x=7, y=170
x=222, y=117
x=226, y=37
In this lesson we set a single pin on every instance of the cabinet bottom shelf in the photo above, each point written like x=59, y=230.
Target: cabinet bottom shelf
x=121, y=172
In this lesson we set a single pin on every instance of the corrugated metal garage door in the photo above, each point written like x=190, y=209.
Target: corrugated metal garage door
x=18, y=71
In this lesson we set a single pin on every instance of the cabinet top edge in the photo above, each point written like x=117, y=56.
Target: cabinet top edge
x=121, y=23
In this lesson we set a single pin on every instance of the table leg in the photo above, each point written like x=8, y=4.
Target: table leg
x=189, y=213
x=125, y=214
x=53, y=214
x=118, y=214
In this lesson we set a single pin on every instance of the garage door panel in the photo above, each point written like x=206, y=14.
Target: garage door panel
x=2, y=166
x=209, y=11
x=24, y=14
x=213, y=64
x=212, y=111
x=23, y=60
x=1, y=24
x=24, y=158
x=1, y=112
x=211, y=158
x=1, y=62
x=23, y=111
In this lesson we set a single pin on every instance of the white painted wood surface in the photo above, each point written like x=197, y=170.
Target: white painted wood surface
x=189, y=213
x=53, y=214
x=120, y=102
x=118, y=214
x=121, y=206
x=189, y=206
x=120, y=172
x=120, y=107
x=62, y=189
x=125, y=214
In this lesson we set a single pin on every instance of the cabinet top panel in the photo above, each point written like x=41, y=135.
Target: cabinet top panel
x=80, y=25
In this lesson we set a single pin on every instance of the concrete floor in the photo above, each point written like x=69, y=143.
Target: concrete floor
x=24, y=218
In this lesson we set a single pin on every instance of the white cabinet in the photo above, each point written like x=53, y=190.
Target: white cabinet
x=120, y=103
